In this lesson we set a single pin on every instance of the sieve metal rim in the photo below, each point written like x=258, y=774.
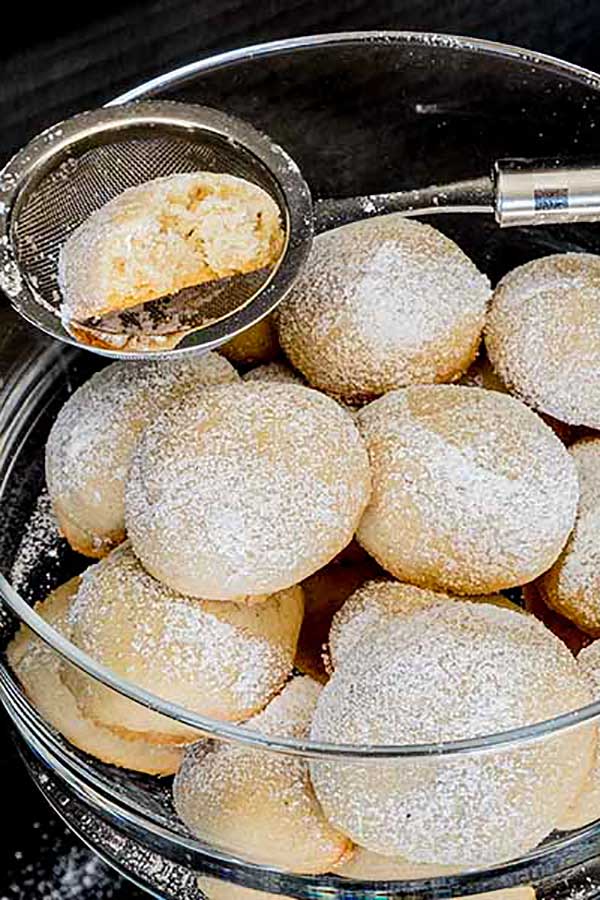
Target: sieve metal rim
x=47, y=150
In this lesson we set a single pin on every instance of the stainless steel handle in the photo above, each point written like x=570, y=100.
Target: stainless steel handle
x=475, y=195
x=544, y=192
x=520, y=192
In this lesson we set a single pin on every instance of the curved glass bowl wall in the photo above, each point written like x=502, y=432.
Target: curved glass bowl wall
x=360, y=114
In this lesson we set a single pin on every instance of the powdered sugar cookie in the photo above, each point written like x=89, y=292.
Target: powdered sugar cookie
x=452, y=672
x=92, y=440
x=247, y=490
x=572, y=586
x=221, y=660
x=543, y=335
x=164, y=235
x=38, y=668
x=472, y=493
x=381, y=304
x=258, y=804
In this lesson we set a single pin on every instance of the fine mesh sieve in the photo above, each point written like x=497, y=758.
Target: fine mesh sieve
x=62, y=176
x=65, y=197
x=68, y=172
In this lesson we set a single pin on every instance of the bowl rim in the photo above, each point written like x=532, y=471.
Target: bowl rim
x=182, y=74
x=239, y=733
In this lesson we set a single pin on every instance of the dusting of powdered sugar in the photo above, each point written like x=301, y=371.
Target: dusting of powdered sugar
x=382, y=304
x=572, y=586
x=38, y=668
x=454, y=671
x=369, y=606
x=378, y=600
x=483, y=494
x=164, y=235
x=208, y=656
x=76, y=875
x=543, y=335
x=258, y=804
x=283, y=373
x=585, y=809
x=250, y=488
x=586, y=891
x=290, y=713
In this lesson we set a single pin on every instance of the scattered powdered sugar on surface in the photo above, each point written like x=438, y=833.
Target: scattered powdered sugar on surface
x=41, y=540
x=454, y=671
x=260, y=804
x=572, y=586
x=76, y=875
x=209, y=656
x=381, y=304
x=248, y=489
x=588, y=890
x=483, y=493
x=543, y=335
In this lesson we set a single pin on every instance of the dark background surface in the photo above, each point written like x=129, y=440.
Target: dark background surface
x=59, y=59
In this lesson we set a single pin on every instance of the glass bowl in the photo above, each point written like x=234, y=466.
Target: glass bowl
x=360, y=113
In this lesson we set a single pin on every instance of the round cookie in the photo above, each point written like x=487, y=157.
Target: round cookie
x=92, y=440
x=221, y=660
x=572, y=586
x=586, y=808
x=257, y=804
x=472, y=493
x=452, y=672
x=378, y=601
x=38, y=668
x=164, y=235
x=543, y=335
x=247, y=490
x=279, y=372
x=257, y=344
x=381, y=304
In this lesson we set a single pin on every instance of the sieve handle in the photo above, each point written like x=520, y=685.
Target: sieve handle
x=545, y=192
x=475, y=195
x=519, y=192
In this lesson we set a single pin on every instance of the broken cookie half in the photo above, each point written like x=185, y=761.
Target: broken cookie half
x=165, y=258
